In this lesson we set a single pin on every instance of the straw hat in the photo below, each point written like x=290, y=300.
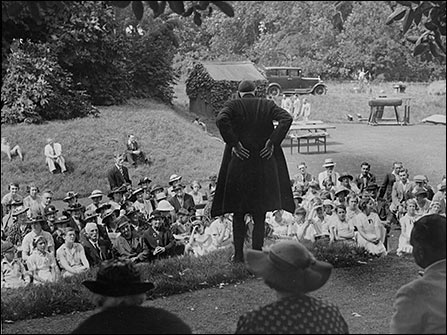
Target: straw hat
x=70, y=195
x=96, y=194
x=19, y=210
x=164, y=206
x=328, y=162
x=289, y=267
x=138, y=191
x=117, y=278
x=173, y=178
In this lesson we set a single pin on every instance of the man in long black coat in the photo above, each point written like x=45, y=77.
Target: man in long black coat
x=253, y=176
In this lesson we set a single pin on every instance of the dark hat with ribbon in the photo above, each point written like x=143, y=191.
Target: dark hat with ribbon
x=118, y=278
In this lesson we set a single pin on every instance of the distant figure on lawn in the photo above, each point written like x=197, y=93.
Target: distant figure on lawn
x=420, y=306
x=10, y=150
x=199, y=123
x=134, y=153
x=53, y=154
x=291, y=271
x=118, y=175
x=118, y=292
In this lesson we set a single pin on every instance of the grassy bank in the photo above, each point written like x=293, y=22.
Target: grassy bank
x=167, y=135
x=175, y=144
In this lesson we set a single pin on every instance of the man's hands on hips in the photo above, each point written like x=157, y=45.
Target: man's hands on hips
x=267, y=151
x=240, y=151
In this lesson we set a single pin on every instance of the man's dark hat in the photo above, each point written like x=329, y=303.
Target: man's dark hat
x=50, y=209
x=178, y=187
x=103, y=207
x=117, y=278
x=37, y=219
x=120, y=189
x=156, y=187
x=182, y=211
x=155, y=214
x=144, y=180
x=131, y=210
x=246, y=86
x=75, y=207
x=345, y=175
x=63, y=220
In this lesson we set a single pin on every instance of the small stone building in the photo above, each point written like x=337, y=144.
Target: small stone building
x=210, y=85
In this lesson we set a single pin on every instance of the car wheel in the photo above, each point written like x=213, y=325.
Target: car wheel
x=274, y=91
x=319, y=90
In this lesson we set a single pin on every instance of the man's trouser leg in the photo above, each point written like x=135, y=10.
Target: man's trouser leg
x=61, y=161
x=258, y=231
x=239, y=230
x=51, y=164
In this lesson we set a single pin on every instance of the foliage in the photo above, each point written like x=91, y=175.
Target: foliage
x=36, y=88
x=150, y=49
x=431, y=17
x=89, y=44
x=88, y=145
x=199, y=84
x=326, y=38
x=340, y=255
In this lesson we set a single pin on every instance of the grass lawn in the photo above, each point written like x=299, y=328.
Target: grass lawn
x=178, y=147
x=364, y=295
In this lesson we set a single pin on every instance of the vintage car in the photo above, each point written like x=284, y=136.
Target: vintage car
x=289, y=80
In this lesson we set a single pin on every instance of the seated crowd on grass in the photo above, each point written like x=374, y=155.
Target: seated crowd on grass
x=151, y=222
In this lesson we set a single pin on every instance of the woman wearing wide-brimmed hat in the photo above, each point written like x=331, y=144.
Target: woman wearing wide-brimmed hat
x=292, y=272
x=118, y=292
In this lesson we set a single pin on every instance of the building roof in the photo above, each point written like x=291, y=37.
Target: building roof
x=233, y=71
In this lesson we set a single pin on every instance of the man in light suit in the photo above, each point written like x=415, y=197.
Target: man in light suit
x=53, y=154
x=118, y=175
x=328, y=174
x=420, y=306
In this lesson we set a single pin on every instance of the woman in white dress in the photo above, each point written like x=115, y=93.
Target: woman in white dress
x=370, y=231
x=406, y=225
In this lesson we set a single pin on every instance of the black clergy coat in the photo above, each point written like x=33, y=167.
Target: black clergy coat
x=255, y=184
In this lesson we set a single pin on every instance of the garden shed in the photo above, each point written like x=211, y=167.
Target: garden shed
x=211, y=84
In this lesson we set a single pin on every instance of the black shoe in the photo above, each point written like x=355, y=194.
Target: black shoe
x=235, y=260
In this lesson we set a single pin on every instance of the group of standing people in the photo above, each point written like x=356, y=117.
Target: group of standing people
x=298, y=107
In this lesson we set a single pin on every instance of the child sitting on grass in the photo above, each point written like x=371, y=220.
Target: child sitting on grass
x=14, y=274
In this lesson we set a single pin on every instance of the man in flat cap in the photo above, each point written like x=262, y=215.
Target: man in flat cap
x=253, y=176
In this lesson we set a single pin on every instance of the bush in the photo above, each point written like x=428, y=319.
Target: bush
x=36, y=88
x=149, y=63
x=340, y=255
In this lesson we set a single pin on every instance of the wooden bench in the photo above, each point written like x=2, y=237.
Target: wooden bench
x=318, y=137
